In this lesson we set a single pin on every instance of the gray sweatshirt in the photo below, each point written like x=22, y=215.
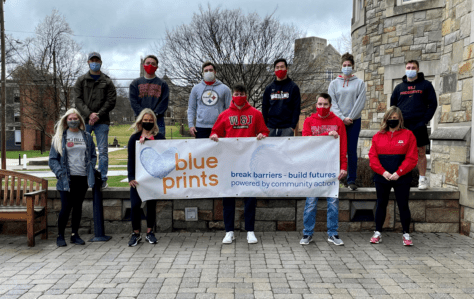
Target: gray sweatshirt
x=206, y=102
x=348, y=97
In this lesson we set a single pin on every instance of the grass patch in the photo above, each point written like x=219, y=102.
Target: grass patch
x=29, y=154
x=123, y=134
x=113, y=181
x=117, y=158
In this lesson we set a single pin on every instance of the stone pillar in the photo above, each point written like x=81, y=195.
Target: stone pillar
x=450, y=150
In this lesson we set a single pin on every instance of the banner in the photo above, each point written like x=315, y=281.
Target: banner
x=238, y=167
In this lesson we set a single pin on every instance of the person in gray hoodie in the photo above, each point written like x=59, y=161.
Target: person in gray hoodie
x=348, y=95
x=207, y=100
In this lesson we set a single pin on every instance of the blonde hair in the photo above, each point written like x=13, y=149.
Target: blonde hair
x=137, y=126
x=388, y=114
x=61, y=125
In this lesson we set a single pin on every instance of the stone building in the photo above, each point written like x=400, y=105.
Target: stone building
x=322, y=63
x=439, y=34
x=12, y=110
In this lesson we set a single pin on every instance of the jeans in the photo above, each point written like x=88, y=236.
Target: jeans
x=161, y=125
x=101, y=132
x=402, y=192
x=281, y=132
x=136, y=211
x=309, y=215
x=72, y=201
x=352, y=132
x=229, y=213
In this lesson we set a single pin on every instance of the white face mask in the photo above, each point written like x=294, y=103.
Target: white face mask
x=209, y=76
x=347, y=70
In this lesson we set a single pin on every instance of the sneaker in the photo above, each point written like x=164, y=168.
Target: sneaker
x=306, y=240
x=353, y=186
x=376, y=238
x=104, y=184
x=229, y=237
x=134, y=239
x=75, y=239
x=150, y=237
x=423, y=184
x=251, y=239
x=335, y=239
x=407, y=240
x=60, y=241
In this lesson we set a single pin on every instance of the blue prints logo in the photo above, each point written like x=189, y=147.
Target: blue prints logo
x=158, y=165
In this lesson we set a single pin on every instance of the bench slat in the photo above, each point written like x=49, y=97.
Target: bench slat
x=18, y=189
x=25, y=183
x=12, y=190
x=5, y=191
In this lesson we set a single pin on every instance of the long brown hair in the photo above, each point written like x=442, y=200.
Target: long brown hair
x=388, y=114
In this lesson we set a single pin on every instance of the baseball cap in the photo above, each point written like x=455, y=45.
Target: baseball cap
x=94, y=54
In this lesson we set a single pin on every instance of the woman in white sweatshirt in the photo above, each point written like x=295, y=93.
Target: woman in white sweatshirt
x=348, y=96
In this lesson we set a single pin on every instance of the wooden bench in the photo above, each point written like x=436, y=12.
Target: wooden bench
x=24, y=198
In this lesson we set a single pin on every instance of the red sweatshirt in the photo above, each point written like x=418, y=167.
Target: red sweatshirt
x=387, y=146
x=235, y=122
x=317, y=126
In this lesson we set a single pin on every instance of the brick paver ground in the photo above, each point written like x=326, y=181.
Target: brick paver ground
x=197, y=265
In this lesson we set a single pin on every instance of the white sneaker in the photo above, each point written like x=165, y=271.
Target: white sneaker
x=229, y=237
x=251, y=238
x=423, y=184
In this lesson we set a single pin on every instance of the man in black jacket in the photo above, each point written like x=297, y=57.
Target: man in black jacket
x=95, y=96
x=416, y=98
x=281, y=102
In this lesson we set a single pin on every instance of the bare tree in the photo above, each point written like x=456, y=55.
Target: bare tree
x=49, y=64
x=344, y=43
x=242, y=46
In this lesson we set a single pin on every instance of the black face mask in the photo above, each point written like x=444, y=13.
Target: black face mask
x=393, y=123
x=147, y=126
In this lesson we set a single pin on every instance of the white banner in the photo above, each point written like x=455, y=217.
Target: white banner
x=238, y=167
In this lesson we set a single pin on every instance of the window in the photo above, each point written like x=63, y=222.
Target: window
x=403, y=2
x=16, y=117
x=16, y=96
x=17, y=137
x=329, y=75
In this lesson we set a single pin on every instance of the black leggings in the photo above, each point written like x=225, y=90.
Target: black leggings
x=402, y=192
x=136, y=211
x=72, y=200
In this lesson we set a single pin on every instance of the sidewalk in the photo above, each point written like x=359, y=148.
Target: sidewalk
x=198, y=265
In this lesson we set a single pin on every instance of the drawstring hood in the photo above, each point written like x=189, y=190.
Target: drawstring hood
x=346, y=80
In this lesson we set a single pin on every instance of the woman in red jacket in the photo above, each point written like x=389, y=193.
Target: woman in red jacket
x=392, y=157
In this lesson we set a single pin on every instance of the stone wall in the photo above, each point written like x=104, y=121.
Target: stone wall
x=435, y=210
x=437, y=33
x=390, y=36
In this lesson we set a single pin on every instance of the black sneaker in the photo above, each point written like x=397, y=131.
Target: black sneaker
x=134, y=239
x=75, y=239
x=150, y=237
x=353, y=186
x=60, y=241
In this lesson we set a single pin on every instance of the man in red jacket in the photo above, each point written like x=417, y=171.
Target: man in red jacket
x=324, y=123
x=240, y=120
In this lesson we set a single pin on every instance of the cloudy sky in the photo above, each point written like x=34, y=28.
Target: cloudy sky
x=124, y=30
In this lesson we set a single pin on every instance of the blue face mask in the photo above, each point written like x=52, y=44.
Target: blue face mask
x=347, y=71
x=95, y=66
x=410, y=73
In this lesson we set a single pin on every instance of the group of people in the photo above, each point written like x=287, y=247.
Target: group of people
x=396, y=149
